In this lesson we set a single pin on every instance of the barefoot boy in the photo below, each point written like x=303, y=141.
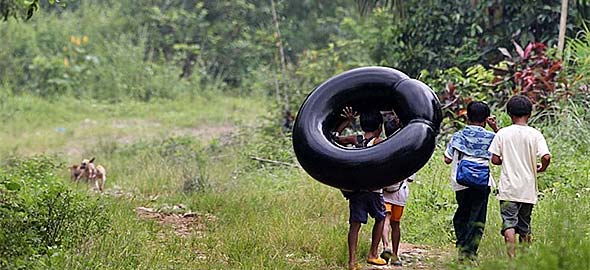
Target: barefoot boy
x=517, y=148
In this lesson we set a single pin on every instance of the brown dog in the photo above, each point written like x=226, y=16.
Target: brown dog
x=93, y=173
x=75, y=172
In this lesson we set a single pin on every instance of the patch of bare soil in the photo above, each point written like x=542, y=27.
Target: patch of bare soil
x=183, y=223
x=416, y=257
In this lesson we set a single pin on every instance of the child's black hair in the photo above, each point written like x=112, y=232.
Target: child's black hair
x=519, y=106
x=371, y=120
x=391, y=127
x=477, y=111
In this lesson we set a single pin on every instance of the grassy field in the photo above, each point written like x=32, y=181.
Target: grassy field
x=183, y=193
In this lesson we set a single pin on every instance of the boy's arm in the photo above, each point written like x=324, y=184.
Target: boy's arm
x=545, y=160
x=346, y=140
x=448, y=154
x=492, y=123
x=496, y=150
x=448, y=160
x=543, y=152
x=349, y=116
x=496, y=160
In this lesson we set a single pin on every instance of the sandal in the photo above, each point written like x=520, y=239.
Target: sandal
x=386, y=254
x=397, y=262
x=376, y=261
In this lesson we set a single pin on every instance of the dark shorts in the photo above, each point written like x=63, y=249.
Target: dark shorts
x=363, y=203
x=517, y=216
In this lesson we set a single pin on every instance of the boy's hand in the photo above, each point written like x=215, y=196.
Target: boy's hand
x=348, y=113
x=492, y=122
x=545, y=160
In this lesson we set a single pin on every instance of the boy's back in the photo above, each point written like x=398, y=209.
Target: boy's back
x=519, y=146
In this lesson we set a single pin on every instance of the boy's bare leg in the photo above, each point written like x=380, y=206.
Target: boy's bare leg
x=509, y=238
x=526, y=239
x=376, y=238
x=386, y=229
x=395, y=236
x=353, y=236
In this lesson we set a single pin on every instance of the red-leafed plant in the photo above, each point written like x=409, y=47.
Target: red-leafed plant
x=530, y=72
x=456, y=88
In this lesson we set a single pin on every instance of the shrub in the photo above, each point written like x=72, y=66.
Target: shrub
x=40, y=216
x=530, y=72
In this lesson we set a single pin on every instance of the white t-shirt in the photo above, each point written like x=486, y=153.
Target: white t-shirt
x=400, y=194
x=519, y=147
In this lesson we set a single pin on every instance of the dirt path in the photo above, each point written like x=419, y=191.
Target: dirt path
x=416, y=257
x=182, y=220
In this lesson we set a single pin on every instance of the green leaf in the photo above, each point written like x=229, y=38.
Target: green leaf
x=12, y=186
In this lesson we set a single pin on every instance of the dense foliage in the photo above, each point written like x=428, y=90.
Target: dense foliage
x=113, y=50
x=40, y=216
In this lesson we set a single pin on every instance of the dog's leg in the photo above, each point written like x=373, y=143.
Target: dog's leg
x=97, y=184
x=103, y=181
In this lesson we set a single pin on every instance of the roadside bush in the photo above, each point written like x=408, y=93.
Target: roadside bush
x=40, y=216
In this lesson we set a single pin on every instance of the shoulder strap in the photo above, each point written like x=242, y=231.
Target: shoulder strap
x=366, y=141
x=460, y=156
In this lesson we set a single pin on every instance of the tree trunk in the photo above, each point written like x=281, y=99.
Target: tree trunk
x=281, y=51
x=562, y=24
x=189, y=63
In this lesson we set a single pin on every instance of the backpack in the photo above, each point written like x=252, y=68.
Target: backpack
x=473, y=174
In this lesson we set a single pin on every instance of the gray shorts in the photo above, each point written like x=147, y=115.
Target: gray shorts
x=517, y=216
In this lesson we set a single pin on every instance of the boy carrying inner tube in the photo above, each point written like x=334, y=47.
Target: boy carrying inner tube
x=363, y=202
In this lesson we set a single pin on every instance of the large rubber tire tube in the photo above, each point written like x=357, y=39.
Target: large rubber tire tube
x=386, y=163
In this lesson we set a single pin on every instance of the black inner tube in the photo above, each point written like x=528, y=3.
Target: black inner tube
x=364, y=89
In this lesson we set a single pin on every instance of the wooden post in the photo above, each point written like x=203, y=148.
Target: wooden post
x=562, y=24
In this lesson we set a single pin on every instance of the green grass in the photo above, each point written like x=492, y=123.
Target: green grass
x=70, y=126
x=266, y=216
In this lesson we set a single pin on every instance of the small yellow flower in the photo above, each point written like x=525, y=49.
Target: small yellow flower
x=85, y=39
x=72, y=39
x=66, y=62
x=78, y=41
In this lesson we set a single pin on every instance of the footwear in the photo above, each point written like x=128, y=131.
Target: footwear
x=357, y=266
x=376, y=261
x=386, y=254
x=395, y=261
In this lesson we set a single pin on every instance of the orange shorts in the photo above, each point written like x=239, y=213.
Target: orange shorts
x=396, y=211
